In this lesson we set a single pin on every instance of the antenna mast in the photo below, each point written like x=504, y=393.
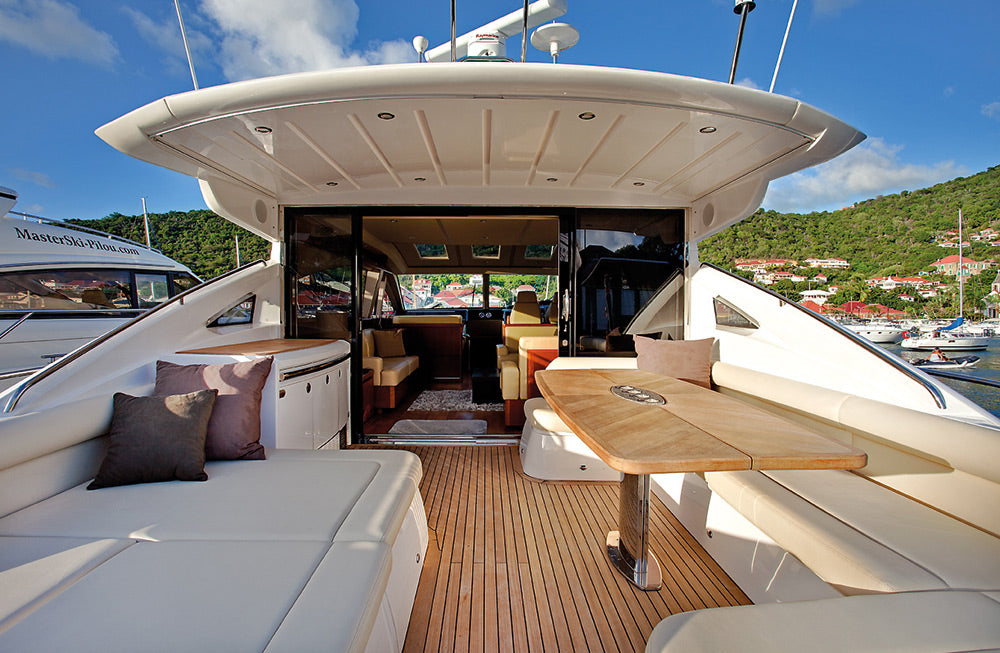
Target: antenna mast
x=781, y=52
x=743, y=7
x=187, y=50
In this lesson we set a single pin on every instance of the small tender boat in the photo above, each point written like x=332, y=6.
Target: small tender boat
x=950, y=364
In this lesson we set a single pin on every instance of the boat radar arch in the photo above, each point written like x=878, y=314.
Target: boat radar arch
x=539, y=12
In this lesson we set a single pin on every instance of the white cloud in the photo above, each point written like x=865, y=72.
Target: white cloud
x=262, y=37
x=870, y=169
x=54, y=29
x=37, y=178
x=166, y=35
x=748, y=83
x=992, y=110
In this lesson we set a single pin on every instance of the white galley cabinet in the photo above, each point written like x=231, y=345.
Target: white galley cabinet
x=305, y=403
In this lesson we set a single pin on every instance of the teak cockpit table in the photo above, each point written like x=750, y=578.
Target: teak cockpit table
x=642, y=423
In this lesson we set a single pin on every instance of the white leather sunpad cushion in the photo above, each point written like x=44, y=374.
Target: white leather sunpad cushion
x=963, y=556
x=837, y=553
x=379, y=512
x=915, y=622
x=242, y=500
x=338, y=607
x=34, y=568
x=175, y=596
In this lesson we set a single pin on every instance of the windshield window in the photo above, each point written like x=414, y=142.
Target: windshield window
x=66, y=290
x=426, y=291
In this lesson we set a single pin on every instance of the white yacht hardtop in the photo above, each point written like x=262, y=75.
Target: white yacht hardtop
x=28, y=243
x=473, y=133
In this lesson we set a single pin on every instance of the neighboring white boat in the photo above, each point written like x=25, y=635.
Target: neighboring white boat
x=879, y=333
x=62, y=285
x=361, y=175
x=952, y=337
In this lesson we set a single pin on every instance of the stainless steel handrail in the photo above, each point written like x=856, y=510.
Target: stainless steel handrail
x=16, y=324
x=93, y=344
x=900, y=366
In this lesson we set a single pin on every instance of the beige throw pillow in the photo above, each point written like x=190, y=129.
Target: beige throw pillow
x=687, y=360
x=389, y=344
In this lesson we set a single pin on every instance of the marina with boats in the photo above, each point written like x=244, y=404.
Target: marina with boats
x=651, y=453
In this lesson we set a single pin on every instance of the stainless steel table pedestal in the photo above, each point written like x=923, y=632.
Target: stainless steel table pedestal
x=628, y=547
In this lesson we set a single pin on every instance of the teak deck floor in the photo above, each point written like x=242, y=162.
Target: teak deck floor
x=516, y=564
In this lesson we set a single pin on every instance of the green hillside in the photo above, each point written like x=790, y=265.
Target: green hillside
x=891, y=234
x=199, y=239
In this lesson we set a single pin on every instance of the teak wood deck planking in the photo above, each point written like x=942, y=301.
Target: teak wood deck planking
x=516, y=564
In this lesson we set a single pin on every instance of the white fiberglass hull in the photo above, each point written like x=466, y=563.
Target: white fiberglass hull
x=949, y=342
x=881, y=335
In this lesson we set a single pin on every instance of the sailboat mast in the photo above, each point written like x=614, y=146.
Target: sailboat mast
x=145, y=222
x=961, y=279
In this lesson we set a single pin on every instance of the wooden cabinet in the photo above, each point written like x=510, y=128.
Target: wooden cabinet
x=439, y=347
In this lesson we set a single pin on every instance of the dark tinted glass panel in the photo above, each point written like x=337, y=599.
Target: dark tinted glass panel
x=151, y=288
x=72, y=290
x=629, y=279
x=321, y=264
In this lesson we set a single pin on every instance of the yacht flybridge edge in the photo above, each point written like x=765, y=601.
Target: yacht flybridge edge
x=470, y=134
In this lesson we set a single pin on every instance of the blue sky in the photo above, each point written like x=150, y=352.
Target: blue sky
x=921, y=78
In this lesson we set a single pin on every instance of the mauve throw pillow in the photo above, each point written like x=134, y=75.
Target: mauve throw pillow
x=389, y=343
x=234, y=430
x=687, y=360
x=156, y=439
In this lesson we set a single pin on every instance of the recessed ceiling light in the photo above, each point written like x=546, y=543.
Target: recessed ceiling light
x=394, y=220
x=385, y=115
x=552, y=179
x=638, y=183
x=262, y=129
x=586, y=115
x=331, y=183
x=707, y=130
x=420, y=179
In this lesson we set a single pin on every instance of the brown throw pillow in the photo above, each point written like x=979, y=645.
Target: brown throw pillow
x=234, y=430
x=156, y=439
x=389, y=344
x=687, y=360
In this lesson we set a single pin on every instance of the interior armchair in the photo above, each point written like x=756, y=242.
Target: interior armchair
x=516, y=379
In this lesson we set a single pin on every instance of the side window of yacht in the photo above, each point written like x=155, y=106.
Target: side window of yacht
x=183, y=281
x=151, y=288
x=241, y=313
x=72, y=290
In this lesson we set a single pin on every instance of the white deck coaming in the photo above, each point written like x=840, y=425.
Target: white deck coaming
x=530, y=128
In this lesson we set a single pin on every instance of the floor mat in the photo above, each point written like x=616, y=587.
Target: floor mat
x=450, y=400
x=439, y=427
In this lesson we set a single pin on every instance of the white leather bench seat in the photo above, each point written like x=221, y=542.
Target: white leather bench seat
x=242, y=500
x=205, y=596
x=859, y=536
x=394, y=370
x=551, y=451
x=34, y=568
x=914, y=622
